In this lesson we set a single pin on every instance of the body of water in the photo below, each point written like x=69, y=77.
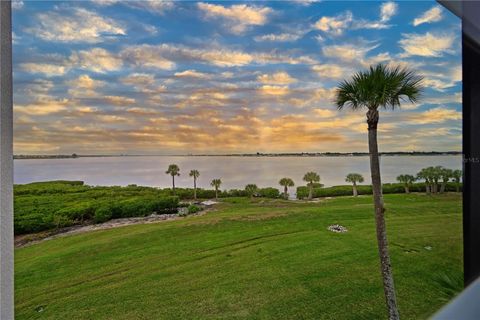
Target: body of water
x=235, y=172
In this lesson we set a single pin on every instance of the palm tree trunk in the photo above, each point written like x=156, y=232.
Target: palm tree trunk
x=216, y=193
x=173, y=184
x=285, y=191
x=457, y=187
x=407, y=189
x=388, y=285
x=355, y=192
x=195, y=188
x=310, y=191
x=427, y=188
x=442, y=187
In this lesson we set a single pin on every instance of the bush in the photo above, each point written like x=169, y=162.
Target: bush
x=193, y=209
x=269, y=193
x=102, y=214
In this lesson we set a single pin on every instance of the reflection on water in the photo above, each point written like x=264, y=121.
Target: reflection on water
x=235, y=172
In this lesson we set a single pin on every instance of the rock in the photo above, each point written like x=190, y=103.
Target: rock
x=337, y=228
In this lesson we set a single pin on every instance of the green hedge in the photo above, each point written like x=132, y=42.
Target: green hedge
x=347, y=190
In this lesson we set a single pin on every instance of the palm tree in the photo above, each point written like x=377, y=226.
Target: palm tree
x=251, y=189
x=425, y=174
x=436, y=174
x=457, y=175
x=195, y=174
x=216, y=183
x=407, y=180
x=354, y=178
x=379, y=87
x=173, y=170
x=311, y=178
x=285, y=183
x=445, y=174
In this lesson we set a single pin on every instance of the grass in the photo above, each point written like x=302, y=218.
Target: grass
x=266, y=259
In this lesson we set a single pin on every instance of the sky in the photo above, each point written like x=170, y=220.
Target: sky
x=116, y=77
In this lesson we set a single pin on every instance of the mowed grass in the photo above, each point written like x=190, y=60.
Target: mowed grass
x=266, y=259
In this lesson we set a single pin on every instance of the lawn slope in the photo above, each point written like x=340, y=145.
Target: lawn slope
x=266, y=259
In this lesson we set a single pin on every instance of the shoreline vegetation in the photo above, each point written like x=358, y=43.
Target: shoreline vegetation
x=258, y=154
x=52, y=205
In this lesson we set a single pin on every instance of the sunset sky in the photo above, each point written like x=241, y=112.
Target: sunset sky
x=111, y=77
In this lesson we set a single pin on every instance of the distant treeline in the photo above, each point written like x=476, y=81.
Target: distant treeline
x=258, y=154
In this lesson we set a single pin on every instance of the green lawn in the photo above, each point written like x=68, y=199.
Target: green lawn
x=270, y=259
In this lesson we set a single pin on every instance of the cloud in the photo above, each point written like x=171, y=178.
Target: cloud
x=192, y=74
x=85, y=82
x=334, y=25
x=84, y=86
x=348, y=52
x=138, y=79
x=238, y=18
x=274, y=90
x=75, y=25
x=432, y=15
x=324, y=113
x=333, y=71
x=157, y=7
x=96, y=60
x=280, y=37
x=42, y=106
x=17, y=4
x=148, y=56
x=165, y=56
x=388, y=10
x=434, y=115
x=119, y=100
x=276, y=78
x=426, y=45
x=49, y=70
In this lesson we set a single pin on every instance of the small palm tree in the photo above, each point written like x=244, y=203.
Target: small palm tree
x=285, y=183
x=354, y=178
x=425, y=174
x=457, y=175
x=445, y=175
x=195, y=174
x=173, y=170
x=216, y=183
x=407, y=180
x=311, y=178
x=436, y=174
x=251, y=189
x=379, y=87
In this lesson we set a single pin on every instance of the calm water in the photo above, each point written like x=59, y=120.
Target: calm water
x=235, y=172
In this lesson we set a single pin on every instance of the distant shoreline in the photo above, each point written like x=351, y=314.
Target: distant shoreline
x=302, y=154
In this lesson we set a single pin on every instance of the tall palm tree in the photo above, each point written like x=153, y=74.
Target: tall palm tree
x=216, y=183
x=457, y=175
x=285, y=183
x=311, y=178
x=379, y=87
x=354, y=178
x=195, y=174
x=173, y=170
x=251, y=189
x=407, y=180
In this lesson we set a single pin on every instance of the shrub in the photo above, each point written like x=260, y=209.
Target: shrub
x=193, y=209
x=269, y=193
x=102, y=214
